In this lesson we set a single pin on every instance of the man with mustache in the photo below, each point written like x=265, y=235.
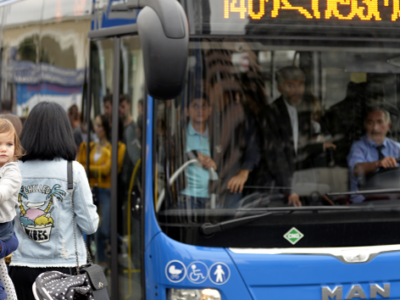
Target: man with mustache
x=291, y=130
x=373, y=151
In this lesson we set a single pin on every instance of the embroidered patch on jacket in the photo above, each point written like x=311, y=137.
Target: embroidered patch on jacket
x=35, y=218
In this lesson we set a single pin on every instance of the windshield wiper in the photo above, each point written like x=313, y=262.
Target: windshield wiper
x=209, y=229
x=366, y=192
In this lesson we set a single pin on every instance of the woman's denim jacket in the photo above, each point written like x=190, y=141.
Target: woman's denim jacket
x=43, y=223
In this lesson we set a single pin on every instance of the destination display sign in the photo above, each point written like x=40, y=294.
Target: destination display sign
x=322, y=10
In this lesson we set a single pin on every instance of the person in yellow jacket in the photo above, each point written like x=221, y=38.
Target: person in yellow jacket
x=100, y=178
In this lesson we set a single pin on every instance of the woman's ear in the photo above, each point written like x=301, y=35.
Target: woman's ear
x=187, y=113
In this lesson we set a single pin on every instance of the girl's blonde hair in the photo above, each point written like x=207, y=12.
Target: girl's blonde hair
x=7, y=126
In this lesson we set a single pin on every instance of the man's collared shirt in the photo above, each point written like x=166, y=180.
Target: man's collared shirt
x=197, y=176
x=294, y=120
x=365, y=150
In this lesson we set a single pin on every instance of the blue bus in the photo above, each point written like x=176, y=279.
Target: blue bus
x=257, y=140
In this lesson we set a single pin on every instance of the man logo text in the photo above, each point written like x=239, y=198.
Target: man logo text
x=356, y=292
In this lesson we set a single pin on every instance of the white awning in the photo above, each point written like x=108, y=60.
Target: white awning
x=6, y=2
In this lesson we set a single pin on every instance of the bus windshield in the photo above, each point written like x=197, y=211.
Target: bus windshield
x=300, y=132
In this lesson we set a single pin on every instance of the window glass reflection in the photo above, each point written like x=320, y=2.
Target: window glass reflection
x=261, y=127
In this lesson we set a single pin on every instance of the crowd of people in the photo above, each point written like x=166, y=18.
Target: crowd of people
x=100, y=152
x=267, y=143
x=272, y=142
x=35, y=202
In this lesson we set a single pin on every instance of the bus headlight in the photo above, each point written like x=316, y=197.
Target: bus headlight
x=186, y=294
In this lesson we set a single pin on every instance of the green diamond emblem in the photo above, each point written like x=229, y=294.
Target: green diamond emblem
x=293, y=235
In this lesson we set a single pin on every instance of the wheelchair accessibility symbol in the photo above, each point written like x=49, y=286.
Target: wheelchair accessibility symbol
x=197, y=272
x=219, y=273
x=175, y=271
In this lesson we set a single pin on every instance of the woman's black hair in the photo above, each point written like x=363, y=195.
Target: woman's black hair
x=47, y=134
x=105, y=123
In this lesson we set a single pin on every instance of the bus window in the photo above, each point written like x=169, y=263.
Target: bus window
x=130, y=192
x=99, y=147
x=129, y=162
x=259, y=128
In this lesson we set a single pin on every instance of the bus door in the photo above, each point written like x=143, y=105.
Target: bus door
x=116, y=89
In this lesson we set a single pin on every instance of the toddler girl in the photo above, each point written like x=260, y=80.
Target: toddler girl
x=10, y=185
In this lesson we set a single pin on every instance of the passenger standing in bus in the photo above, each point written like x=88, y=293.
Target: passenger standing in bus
x=373, y=151
x=100, y=179
x=290, y=130
x=196, y=194
x=125, y=113
x=107, y=106
x=43, y=222
x=131, y=157
x=239, y=151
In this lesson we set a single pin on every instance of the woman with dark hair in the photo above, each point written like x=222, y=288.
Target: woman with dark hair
x=44, y=216
x=100, y=178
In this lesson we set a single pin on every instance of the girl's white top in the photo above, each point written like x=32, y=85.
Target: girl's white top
x=10, y=185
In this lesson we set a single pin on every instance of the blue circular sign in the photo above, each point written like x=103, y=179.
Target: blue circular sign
x=175, y=271
x=219, y=273
x=197, y=272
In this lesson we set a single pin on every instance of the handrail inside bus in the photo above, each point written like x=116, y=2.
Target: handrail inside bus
x=213, y=176
x=129, y=210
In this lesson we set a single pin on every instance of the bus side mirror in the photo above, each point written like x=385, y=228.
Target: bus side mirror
x=164, y=35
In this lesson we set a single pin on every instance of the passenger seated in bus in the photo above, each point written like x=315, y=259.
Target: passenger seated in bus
x=292, y=124
x=373, y=151
x=196, y=193
x=345, y=118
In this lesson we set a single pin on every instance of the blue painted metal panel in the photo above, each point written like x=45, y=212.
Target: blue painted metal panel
x=151, y=224
x=162, y=253
x=302, y=276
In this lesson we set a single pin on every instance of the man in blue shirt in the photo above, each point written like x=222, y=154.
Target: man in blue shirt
x=373, y=151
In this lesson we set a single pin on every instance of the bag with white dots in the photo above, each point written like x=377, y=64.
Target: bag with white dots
x=89, y=283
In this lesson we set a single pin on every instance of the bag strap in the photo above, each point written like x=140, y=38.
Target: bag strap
x=71, y=190
x=70, y=176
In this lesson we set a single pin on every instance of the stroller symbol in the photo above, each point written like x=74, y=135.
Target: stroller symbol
x=197, y=272
x=175, y=271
